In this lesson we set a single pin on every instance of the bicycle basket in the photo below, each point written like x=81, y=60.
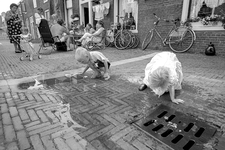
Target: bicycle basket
x=179, y=32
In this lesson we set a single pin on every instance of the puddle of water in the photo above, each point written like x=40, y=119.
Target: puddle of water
x=49, y=82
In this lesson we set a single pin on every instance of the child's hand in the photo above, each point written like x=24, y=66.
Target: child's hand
x=80, y=76
x=177, y=101
x=106, y=76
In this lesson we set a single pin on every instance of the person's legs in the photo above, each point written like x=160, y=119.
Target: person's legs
x=68, y=43
x=66, y=39
x=84, y=37
x=97, y=72
x=17, y=47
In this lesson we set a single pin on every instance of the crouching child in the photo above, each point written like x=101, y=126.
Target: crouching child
x=94, y=60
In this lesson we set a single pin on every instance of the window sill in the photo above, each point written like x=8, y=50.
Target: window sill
x=197, y=26
x=134, y=31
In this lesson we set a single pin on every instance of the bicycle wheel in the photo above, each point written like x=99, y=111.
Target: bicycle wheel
x=181, y=39
x=132, y=41
x=137, y=41
x=107, y=41
x=122, y=40
x=147, y=40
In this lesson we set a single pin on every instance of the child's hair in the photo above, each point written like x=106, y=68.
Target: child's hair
x=82, y=54
x=159, y=80
x=40, y=9
x=60, y=21
x=24, y=29
x=101, y=23
x=89, y=25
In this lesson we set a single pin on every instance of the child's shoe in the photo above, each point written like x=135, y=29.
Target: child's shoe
x=96, y=75
x=106, y=76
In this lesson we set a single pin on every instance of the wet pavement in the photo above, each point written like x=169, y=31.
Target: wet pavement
x=98, y=114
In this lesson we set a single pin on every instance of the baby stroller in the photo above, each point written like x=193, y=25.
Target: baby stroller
x=27, y=47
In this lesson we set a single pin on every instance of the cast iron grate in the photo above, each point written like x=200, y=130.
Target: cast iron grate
x=177, y=130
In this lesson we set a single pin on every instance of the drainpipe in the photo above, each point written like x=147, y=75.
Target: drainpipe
x=185, y=10
x=90, y=12
x=66, y=15
x=81, y=13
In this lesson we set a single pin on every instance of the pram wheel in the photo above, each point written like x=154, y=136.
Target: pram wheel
x=31, y=59
x=21, y=58
x=39, y=56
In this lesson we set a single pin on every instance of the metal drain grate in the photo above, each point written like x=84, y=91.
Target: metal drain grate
x=177, y=130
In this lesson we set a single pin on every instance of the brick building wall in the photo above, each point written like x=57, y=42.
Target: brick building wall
x=203, y=38
x=28, y=12
x=75, y=6
x=43, y=5
x=172, y=9
x=165, y=9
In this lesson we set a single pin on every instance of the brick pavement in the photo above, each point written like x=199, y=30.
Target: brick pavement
x=28, y=119
x=12, y=67
x=101, y=107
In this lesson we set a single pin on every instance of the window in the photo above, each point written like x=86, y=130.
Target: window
x=129, y=10
x=205, y=14
x=35, y=3
x=44, y=1
x=47, y=15
x=69, y=4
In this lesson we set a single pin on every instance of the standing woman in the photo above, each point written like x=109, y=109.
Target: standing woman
x=38, y=16
x=14, y=25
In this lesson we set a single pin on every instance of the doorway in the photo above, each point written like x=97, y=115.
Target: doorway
x=86, y=16
x=86, y=13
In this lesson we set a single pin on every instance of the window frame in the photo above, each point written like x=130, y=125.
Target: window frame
x=47, y=11
x=35, y=3
x=23, y=7
x=195, y=27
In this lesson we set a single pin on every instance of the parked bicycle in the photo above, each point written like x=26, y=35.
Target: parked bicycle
x=120, y=37
x=180, y=39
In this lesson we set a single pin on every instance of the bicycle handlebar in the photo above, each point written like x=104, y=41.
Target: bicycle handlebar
x=166, y=20
x=156, y=16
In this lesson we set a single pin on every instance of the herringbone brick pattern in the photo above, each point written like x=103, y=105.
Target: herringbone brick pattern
x=29, y=121
x=103, y=108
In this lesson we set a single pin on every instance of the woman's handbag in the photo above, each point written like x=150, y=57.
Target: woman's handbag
x=210, y=50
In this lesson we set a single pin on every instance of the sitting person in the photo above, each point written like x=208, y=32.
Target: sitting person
x=94, y=60
x=163, y=73
x=89, y=29
x=75, y=21
x=60, y=30
x=96, y=37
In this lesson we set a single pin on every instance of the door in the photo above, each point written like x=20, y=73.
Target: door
x=86, y=16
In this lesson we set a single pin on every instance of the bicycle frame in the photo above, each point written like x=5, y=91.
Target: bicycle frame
x=163, y=40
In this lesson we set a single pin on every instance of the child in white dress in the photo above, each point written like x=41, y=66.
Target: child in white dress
x=163, y=73
x=94, y=60
x=25, y=42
